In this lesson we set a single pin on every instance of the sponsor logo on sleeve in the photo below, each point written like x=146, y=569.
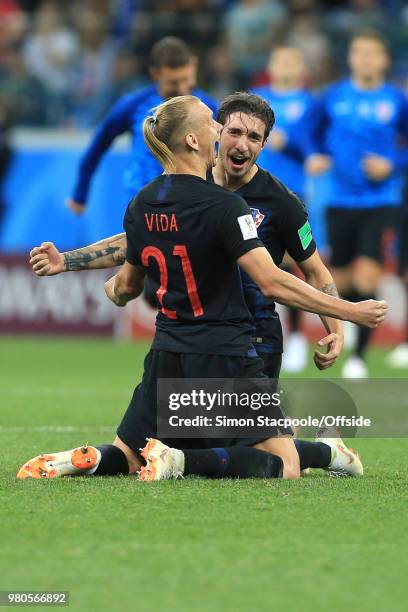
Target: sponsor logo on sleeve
x=247, y=225
x=305, y=235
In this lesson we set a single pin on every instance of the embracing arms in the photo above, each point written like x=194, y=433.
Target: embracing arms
x=285, y=288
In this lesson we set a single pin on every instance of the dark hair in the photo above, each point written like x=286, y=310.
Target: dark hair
x=250, y=104
x=171, y=52
x=371, y=34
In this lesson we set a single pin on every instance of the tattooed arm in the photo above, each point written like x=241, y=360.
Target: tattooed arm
x=46, y=260
x=319, y=277
x=106, y=253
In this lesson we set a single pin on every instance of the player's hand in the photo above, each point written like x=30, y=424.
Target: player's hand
x=377, y=168
x=370, y=312
x=110, y=292
x=316, y=164
x=77, y=207
x=109, y=289
x=277, y=140
x=334, y=343
x=46, y=260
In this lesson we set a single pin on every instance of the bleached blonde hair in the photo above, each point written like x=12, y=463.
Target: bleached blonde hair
x=163, y=130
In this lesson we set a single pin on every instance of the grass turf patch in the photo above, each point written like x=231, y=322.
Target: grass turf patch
x=196, y=544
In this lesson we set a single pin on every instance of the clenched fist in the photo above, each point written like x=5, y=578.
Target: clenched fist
x=46, y=260
x=370, y=312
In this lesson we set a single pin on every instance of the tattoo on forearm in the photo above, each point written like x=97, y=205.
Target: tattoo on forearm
x=83, y=259
x=120, y=256
x=330, y=289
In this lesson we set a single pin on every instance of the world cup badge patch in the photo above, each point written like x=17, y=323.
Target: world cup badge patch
x=247, y=226
x=257, y=216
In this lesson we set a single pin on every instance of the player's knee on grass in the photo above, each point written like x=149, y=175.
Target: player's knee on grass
x=286, y=450
x=290, y=472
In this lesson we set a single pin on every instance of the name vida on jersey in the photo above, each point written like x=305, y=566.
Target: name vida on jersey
x=161, y=222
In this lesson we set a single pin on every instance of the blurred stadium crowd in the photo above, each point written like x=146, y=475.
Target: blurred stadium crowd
x=63, y=64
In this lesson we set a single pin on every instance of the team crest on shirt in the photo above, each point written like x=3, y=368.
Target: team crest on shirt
x=257, y=216
x=384, y=110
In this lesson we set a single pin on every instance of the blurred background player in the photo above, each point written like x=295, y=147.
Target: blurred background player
x=356, y=125
x=398, y=358
x=174, y=69
x=283, y=157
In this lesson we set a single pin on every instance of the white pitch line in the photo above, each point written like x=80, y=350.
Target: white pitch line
x=55, y=429
x=65, y=391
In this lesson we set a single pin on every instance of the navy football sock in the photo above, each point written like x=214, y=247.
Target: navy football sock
x=364, y=332
x=363, y=337
x=313, y=454
x=232, y=462
x=113, y=461
x=294, y=318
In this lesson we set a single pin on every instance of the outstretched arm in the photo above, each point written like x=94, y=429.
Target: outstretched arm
x=291, y=291
x=46, y=260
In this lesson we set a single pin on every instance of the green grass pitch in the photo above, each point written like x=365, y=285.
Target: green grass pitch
x=193, y=545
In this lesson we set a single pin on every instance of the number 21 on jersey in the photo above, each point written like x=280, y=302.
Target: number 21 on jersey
x=179, y=250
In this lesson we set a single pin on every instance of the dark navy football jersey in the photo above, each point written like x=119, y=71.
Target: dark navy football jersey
x=188, y=233
x=283, y=226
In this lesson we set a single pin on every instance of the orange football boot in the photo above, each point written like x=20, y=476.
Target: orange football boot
x=162, y=462
x=66, y=463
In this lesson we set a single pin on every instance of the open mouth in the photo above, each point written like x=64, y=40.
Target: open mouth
x=238, y=161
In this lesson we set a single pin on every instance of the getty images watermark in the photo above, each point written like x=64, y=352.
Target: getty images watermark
x=255, y=401
x=237, y=408
x=208, y=400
